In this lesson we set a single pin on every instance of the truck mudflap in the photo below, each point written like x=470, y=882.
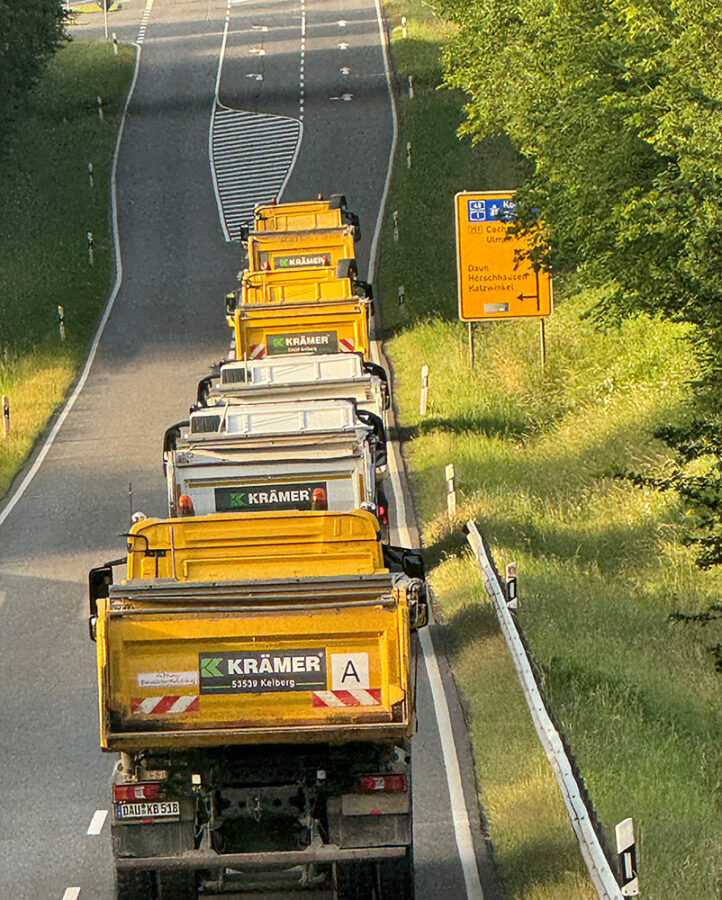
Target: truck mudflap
x=316, y=853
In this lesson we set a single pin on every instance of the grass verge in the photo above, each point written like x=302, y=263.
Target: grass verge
x=47, y=206
x=601, y=565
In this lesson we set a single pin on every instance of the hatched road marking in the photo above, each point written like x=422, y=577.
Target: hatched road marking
x=252, y=154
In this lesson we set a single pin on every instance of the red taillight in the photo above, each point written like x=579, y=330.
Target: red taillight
x=383, y=514
x=319, y=499
x=185, y=506
x=387, y=783
x=149, y=790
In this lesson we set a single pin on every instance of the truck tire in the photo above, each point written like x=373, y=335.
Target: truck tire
x=354, y=881
x=134, y=884
x=177, y=884
x=396, y=878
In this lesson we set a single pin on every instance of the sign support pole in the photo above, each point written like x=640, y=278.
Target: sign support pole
x=542, y=343
x=471, y=345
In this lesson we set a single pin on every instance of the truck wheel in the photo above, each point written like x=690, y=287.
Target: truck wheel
x=396, y=878
x=177, y=885
x=134, y=884
x=354, y=881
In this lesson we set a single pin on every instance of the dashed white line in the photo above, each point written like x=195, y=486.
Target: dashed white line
x=71, y=893
x=144, y=22
x=97, y=822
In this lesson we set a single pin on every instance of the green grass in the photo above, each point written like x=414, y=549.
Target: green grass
x=46, y=208
x=601, y=565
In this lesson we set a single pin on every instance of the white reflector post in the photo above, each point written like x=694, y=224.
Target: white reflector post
x=627, y=851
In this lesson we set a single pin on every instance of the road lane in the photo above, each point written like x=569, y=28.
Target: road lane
x=166, y=327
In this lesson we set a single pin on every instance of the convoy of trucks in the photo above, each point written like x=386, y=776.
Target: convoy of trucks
x=256, y=658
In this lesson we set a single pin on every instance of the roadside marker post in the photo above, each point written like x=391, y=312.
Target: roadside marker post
x=91, y=179
x=396, y=226
x=61, y=322
x=99, y=101
x=408, y=154
x=6, y=414
x=627, y=855
x=451, y=492
x=115, y=44
x=91, y=247
x=424, y=399
x=512, y=601
x=411, y=87
x=404, y=31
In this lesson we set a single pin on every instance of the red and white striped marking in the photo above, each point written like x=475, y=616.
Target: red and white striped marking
x=157, y=706
x=371, y=697
x=258, y=351
x=347, y=345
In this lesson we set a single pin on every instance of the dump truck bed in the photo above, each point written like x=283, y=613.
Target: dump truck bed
x=305, y=214
x=292, y=286
x=328, y=327
x=210, y=647
x=312, y=248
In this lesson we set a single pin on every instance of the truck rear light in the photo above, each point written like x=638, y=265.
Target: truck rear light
x=387, y=783
x=185, y=506
x=383, y=514
x=148, y=790
x=319, y=499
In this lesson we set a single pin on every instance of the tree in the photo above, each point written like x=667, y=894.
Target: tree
x=30, y=32
x=618, y=106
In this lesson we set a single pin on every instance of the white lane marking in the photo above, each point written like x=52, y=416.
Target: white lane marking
x=251, y=155
x=71, y=893
x=301, y=108
x=97, y=822
x=65, y=412
x=144, y=22
x=462, y=826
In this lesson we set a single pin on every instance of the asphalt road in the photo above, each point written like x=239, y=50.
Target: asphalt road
x=166, y=326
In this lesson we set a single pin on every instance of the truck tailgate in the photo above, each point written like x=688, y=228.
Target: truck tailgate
x=244, y=668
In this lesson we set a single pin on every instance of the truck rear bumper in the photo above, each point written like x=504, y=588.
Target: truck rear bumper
x=200, y=859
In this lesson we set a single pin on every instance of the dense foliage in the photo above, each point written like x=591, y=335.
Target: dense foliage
x=30, y=31
x=617, y=104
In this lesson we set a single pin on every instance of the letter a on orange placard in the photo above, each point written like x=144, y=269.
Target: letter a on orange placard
x=493, y=283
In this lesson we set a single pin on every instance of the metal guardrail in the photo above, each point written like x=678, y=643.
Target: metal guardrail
x=598, y=866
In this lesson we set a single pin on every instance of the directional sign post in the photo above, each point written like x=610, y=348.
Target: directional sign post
x=493, y=281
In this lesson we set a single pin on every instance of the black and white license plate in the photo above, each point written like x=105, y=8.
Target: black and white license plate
x=158, y=809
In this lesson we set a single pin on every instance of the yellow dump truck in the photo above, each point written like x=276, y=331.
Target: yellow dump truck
x=323, y=326
x=256, y=675
x=272, y=250
x=320, y=213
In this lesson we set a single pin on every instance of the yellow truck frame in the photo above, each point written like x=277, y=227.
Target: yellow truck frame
x=256, y=673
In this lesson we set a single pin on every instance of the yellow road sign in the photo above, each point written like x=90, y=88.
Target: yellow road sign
x=492, y=283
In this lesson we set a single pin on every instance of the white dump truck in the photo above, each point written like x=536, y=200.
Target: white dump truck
x=305, y=455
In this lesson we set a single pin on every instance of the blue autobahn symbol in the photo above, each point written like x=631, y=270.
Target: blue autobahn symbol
x=489, y=209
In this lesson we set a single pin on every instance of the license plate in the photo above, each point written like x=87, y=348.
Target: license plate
x=161, y=809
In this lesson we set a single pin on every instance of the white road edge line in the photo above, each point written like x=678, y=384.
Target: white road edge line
x=97, y=822
x=462, y=827
x=32, y=472
x=71, y=893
